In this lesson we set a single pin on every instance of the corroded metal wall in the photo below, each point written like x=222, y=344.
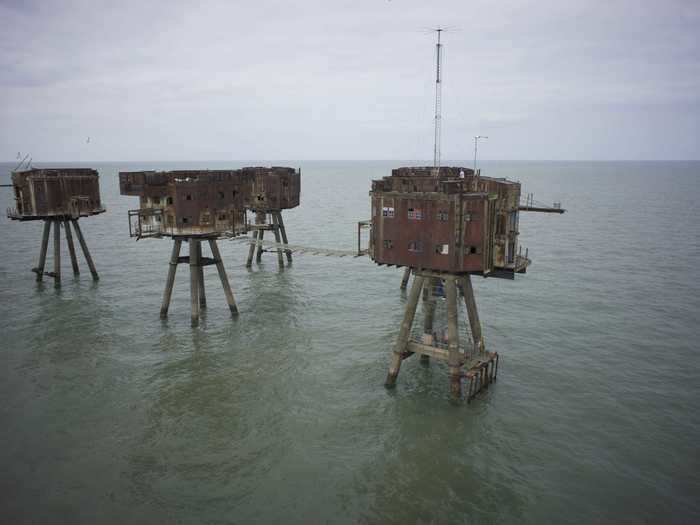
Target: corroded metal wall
x=52, y=193
x=204, y=202
x=445, y=219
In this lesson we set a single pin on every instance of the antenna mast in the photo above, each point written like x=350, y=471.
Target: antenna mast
x=438, y=100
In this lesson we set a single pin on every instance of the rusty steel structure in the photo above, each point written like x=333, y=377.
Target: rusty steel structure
x=196, y=206
x=445, y=224
x=59, y=197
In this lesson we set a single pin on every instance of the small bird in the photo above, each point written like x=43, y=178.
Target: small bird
x=88, y=140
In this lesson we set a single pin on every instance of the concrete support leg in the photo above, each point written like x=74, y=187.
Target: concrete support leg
x=429, y=315
x=194, y=280
x=283, y=231
x=71, y=248
x=171, y=278
x=260, y=219
x=473, y=314
x=86, y=252
x=404, y=332
x=42, y=253
x=251, y=251
x=278, y=240
x=453, y=359
x=57, y=252
x=200, y=276
x=404, y=280
x=222, y=275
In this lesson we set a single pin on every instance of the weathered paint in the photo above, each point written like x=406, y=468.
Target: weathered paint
x=50, y=193
x=445, y=219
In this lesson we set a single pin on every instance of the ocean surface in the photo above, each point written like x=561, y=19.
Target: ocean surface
x=110, y=415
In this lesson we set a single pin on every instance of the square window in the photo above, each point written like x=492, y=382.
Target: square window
x=388, y=244
x=442, y=249
x=221, y=194
x=188, y=197
x=443, y=216
x=415, y=246
x=467, y=217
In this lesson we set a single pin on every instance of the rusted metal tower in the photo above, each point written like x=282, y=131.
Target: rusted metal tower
x=271, y=191
x=59, y=197
x=445, y=225
x=199, y=206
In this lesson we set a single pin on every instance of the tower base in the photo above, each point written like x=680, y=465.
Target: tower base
x=472, y=363
x=196, y=263
x=275, y=224
x=56, y=274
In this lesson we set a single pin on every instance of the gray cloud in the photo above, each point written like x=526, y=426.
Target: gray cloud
x=350, y=80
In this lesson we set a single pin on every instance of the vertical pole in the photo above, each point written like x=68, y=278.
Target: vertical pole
x=222, y=275
x=453, y=357
x=406, y=275
x=405, y=331
x=71, y=248
x=283, y=231
x=42, y=253
x=200, y=277
x=261, y=219
x=171, y=278
x=251, y=250
x=278, y=240
x=86, y=252
x=194, y=281
x=429, y=309
x=473, y=314
x=57, y=252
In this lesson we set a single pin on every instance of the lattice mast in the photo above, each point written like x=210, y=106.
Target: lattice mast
x=438, y=99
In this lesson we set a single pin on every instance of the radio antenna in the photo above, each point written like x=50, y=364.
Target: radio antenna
x=438, y=98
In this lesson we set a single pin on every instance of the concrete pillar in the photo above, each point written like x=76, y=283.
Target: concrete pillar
x=71, y=248
x=406, y=275
x=171, y=278
x=222, y=275
x=42, y=253
x=453, y=358
x=86, y=252
x=57, y=252
x=404, y=332
x=429, y=315
x=278, y=240
x=251, y=250
x=283, y=231
x=200, y=277
x=194, y=280
x=473, y=314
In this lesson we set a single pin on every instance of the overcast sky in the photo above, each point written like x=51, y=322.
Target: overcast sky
x=348, y=80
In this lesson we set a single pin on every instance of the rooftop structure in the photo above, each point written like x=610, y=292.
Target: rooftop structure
x=59, y=197
x=55, y=193
x=446, y=219
x=203, y=205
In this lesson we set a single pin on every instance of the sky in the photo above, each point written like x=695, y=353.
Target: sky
x=353, y=80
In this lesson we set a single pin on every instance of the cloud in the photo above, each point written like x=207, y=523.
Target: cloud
x=339, y=79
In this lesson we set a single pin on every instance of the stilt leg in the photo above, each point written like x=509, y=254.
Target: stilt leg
x=42, y=253
x=200, y=276
x=71, y=248
x=86, y=252
x=171, y=279
x=453, y=361
x=222, y=275
x=404, y=332
x=406, y=275
x=251, y=251
x=429, y=309
x=57, y=252
x=473, y=314
x=278, y=240
x=194, y=280
x=283, y=231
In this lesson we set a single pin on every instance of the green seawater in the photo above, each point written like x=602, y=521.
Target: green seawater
x=109, y=415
